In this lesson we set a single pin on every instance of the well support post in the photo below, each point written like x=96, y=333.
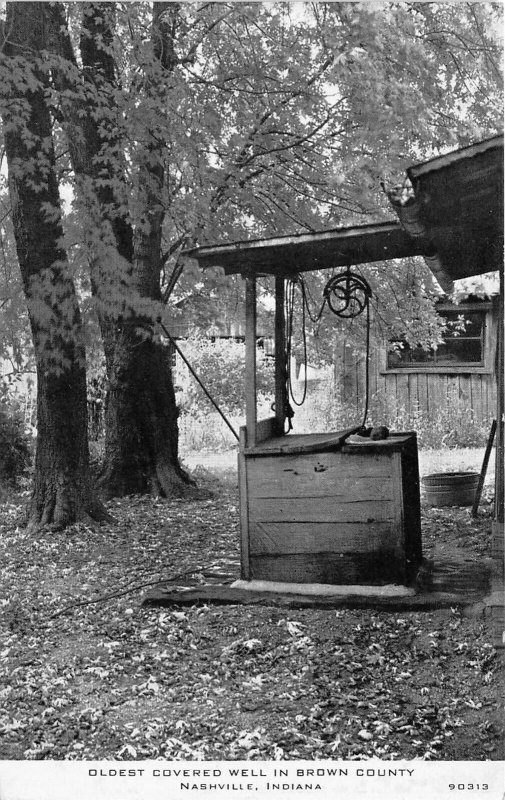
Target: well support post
x=250, y=360
x=280, y=357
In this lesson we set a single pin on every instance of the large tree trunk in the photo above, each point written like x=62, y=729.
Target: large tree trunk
x=141, y=447
x=62, y=490
x=141, y=419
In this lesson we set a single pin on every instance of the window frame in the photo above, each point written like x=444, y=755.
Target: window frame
x=479, y=367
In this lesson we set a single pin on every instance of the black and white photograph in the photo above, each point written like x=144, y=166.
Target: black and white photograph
x=251, y=400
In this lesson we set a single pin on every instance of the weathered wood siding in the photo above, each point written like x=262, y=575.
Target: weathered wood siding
x=409, y=391
x=332, y=517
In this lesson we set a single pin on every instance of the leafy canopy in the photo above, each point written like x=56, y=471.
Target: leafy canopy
x=264, y=118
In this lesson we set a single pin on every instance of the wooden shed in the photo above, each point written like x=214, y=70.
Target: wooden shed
x=459, y=374
x=456, y=210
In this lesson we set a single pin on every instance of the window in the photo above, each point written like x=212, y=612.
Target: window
x=463, y=344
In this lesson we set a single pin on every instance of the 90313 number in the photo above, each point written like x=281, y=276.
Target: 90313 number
x=469, y=786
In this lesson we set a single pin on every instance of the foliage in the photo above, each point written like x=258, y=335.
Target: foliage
x=62, y=490
x=14, y=448
x=220, y=364
x=402, y=306
x=451, y=425
x=96, y=388
x=296, y=138
x=296, y=113
x=207, y=432
x=87, y=674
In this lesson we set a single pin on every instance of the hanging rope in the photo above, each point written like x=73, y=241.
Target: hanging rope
x=290, y=305
x=347, y=295
x=197, y=379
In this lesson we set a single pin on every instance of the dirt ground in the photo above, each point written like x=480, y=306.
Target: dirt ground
x=86, y=672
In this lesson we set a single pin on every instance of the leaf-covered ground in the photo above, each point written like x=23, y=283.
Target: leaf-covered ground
x=87, y=673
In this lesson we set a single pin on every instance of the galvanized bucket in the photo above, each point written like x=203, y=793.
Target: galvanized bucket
x=450, y=488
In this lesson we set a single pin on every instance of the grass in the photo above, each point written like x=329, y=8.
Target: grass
x=224, y=464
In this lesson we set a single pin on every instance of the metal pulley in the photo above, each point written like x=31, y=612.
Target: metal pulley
x=347, y=294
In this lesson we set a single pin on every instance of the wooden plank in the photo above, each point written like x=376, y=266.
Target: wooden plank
x=314, y=474
x=278, y=538
x=489, y=393
x=320, y=509
x=411, y=506
x=245, y=571
x=381, y=447
x=265, y=429
x=402, y=392
x=389, y=392
x=348, y=385
x=422, y=393
x=360, y=377
x=301, y=443
x=242, y=438
x=465, y=391
x=485, y=397
x=250, y=360
x=436, y=393
x=319, y=485
x=413, y=392
x=280, y=357
x=499, y=457
x=453, y=390
x=491, y=335
x=376, y=358
x=397, y=494
x=477, y=396
x=483, y=470
x=375, y=568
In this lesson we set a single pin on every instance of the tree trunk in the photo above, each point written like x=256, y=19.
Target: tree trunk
x=62, y=491
x=141, y=433
x=141, y=447
x=141, y=454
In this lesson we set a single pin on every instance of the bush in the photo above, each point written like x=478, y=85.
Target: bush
x=220, y=365
x=14, y=448
x=207, y=431
x=451, y=425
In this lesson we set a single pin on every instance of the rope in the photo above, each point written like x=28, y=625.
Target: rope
x=347, y=295
x=367, y=366
x=197, y=379
x=290, y=304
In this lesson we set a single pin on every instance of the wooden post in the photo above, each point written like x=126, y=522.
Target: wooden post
x=280, y=358
x=499, y=489
x=245, y=569
x=482, y=476
x=250, y=360
x=498, y=542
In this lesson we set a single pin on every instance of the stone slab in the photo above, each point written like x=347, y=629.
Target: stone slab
x=228, y=595
x=324, y=589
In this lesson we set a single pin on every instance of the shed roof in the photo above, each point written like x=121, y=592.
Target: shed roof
x=460, y=205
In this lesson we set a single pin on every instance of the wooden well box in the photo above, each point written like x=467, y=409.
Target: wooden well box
x=315, y=509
